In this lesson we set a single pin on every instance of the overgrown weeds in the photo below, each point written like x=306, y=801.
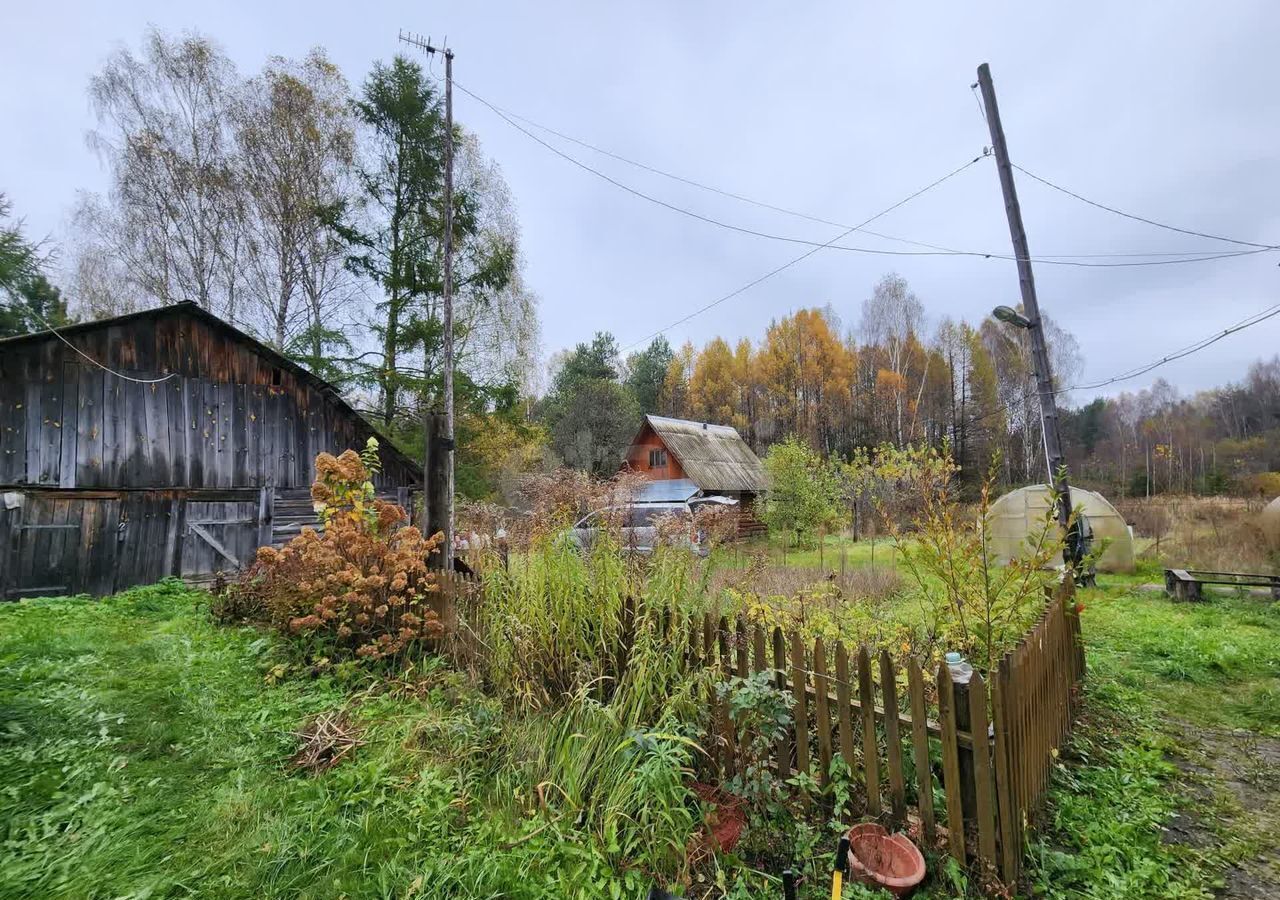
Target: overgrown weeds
x=784, y=585
x=1106, y=811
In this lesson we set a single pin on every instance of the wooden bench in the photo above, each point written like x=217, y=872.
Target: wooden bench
x=1186, y=584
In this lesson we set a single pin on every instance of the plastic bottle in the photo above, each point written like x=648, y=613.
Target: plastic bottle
x=961, y=671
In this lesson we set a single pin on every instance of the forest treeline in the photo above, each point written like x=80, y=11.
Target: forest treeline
x=892, y=378
x=308, y=211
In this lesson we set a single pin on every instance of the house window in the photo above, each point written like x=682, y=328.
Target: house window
x=657, y=459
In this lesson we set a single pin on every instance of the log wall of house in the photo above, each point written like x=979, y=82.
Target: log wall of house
x=638, y=457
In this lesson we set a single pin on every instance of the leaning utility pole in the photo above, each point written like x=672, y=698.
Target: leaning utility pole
x=1026, y=281
x=444, y=443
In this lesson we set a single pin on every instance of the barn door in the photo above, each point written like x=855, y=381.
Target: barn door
x=53, y=546
x=144, y=539
x=218, y=536
x=41, y=561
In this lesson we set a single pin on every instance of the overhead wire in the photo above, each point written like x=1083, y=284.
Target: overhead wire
x=1138, y=218
x=803, y=256
x=933, y=249
x=1247, y=322
x=59, y=335
x=1061, y=259
x=710, y=220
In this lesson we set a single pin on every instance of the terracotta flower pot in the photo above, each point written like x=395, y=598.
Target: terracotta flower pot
x=725, y=823
x=880, y=859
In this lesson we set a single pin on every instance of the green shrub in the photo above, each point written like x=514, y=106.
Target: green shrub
x=760, y=714
x=805, y=493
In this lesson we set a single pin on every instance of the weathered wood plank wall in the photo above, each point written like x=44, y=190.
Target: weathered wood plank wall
x=66, y=423
x=108, y=481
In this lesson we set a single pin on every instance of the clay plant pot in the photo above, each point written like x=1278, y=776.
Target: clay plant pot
x=880, y=859
x=725, y=822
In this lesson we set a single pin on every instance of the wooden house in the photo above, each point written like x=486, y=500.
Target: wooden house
x=713, y=457
x=202, y=454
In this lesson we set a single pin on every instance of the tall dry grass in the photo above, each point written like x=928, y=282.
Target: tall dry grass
x=1214, y=533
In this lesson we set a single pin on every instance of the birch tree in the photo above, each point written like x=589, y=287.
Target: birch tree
x=891, y=316
x=171, y=215
x=295, y=139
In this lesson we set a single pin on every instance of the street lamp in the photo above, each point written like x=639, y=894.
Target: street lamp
x=1011, y=316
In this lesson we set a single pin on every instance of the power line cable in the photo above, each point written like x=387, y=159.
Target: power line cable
x=1249, y=322
x=831, y=244
x=104, y=368
x=688, y=212
x=978, y=100
x=802, y=257
x=1137, y=218
x=938, y=250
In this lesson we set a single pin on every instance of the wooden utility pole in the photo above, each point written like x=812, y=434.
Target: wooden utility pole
x=434, y=486
x=448, y=440
x=439, y=451
x=1031, y=308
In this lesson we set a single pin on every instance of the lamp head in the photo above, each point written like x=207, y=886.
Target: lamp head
x=1011, y=316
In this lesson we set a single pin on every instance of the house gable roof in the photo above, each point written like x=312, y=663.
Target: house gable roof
x=715, y=457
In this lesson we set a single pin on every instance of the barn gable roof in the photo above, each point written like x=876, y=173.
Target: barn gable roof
x=715, y=457
x=192, y=310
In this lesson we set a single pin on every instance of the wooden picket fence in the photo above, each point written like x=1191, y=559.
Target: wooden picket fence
x=897, y=729
x=1035, y=696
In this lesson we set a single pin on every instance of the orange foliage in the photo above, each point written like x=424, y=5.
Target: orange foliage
x=890, y=382
x=362, y=585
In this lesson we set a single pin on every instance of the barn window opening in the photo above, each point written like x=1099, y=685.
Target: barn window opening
x=657, y=459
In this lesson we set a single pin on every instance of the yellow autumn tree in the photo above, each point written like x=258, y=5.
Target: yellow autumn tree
x=673, y=399
x=807, y=376
x=713, y=386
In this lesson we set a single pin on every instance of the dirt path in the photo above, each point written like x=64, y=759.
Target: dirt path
x=1234, y=779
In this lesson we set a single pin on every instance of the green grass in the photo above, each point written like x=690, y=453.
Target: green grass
x=143, y=751
x=1100, y=835
x=1215, y=664
x=1155, y=664
x=834, y=548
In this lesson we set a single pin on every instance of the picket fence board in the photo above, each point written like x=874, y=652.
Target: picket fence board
x=985, y=788
x=920, y=746
x=843, y=698
x=893, y=738
x=822, y=712
x=1029, y=699
x=800, y=696
x=870, y=746
x=950, y=764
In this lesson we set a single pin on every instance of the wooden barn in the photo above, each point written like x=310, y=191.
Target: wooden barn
x=107, y=482
x=713, y=457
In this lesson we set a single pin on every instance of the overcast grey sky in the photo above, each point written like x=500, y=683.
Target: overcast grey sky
x=1171, y=110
